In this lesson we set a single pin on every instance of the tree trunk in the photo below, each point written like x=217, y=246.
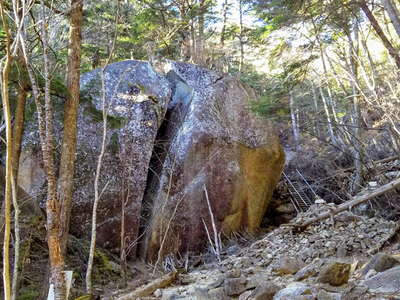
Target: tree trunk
x=224, y=20
x=68, y=154
x=241, y=42
x=357, y=119
x=295, y=128
x=7, y=117
x=97, y=195
x=393, y=13
x=54, y=230
x=18, y=129
x=316, y=111
x=200, y=38
x=16, y=148
x=388, y=45
x=328, y=117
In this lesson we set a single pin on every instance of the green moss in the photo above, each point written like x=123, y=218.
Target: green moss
x=29, y=294
x=91, y=91
x=114, y=143
x=97, y=116
x=103, y=261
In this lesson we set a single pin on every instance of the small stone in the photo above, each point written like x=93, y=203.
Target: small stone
x=373, y=184
x=158, y=293
x=380, y=262
x=266, y=291
x=319, y=201
x=341, y=251
x=308, y=271
x=216, y=283
x=357, y=292
x=330, y=244
x=169, y=295
x=201, y=294
x=293, y=291
x=245, y=295
x=235, y=286
x=234, y=273
x=370, y=273
x=324, y=295
x=218, y=294
x=385, y=282
x=288, y=265
x=335, y=273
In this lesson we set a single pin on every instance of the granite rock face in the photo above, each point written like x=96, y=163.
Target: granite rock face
x=217, y=150
x=137, y=97
x=172, y=137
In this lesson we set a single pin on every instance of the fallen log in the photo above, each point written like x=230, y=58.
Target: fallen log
x=349, y=204
x=151, y=287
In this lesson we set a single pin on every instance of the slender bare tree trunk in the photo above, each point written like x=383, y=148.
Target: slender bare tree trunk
x=295, y=127
x=393, y=13
x=97, y=195
x=193, y=42
x=54, y=230
x=241, y=42
x=357, y=120
x=388, y=45
x=200, y=38
x=7, y=117
x=328, y=116
x=225, y=8
x=329, y=100
x=68, y=154
x=18, y=130
x=316, y=109
x=17, y=239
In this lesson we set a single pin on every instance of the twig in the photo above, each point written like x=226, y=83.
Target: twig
x=216, y=239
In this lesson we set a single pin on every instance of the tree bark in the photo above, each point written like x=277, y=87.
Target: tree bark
x=358, y=153
x=328, y=116
x=16, y=153
x=97, y=195
x=68, y=154
x=54, y=229
x=393, y=13
x=7, y=117
x=18, y=129
x=224, y=20
x=241, y=42
x=295, y=125
x=388, y=45
x=200, y=38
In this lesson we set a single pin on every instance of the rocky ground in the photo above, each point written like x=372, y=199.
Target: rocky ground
x=345, y=257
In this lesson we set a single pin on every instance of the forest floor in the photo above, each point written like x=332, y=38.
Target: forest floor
x=346, y=257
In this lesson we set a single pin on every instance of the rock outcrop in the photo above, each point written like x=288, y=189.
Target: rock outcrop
x=173, y=137
x=137, y=97
x=217, y=150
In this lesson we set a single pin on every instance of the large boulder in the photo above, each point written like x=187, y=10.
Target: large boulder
x=216, y=148
x=387, y=282
x=137, y=97
x=172, y=138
